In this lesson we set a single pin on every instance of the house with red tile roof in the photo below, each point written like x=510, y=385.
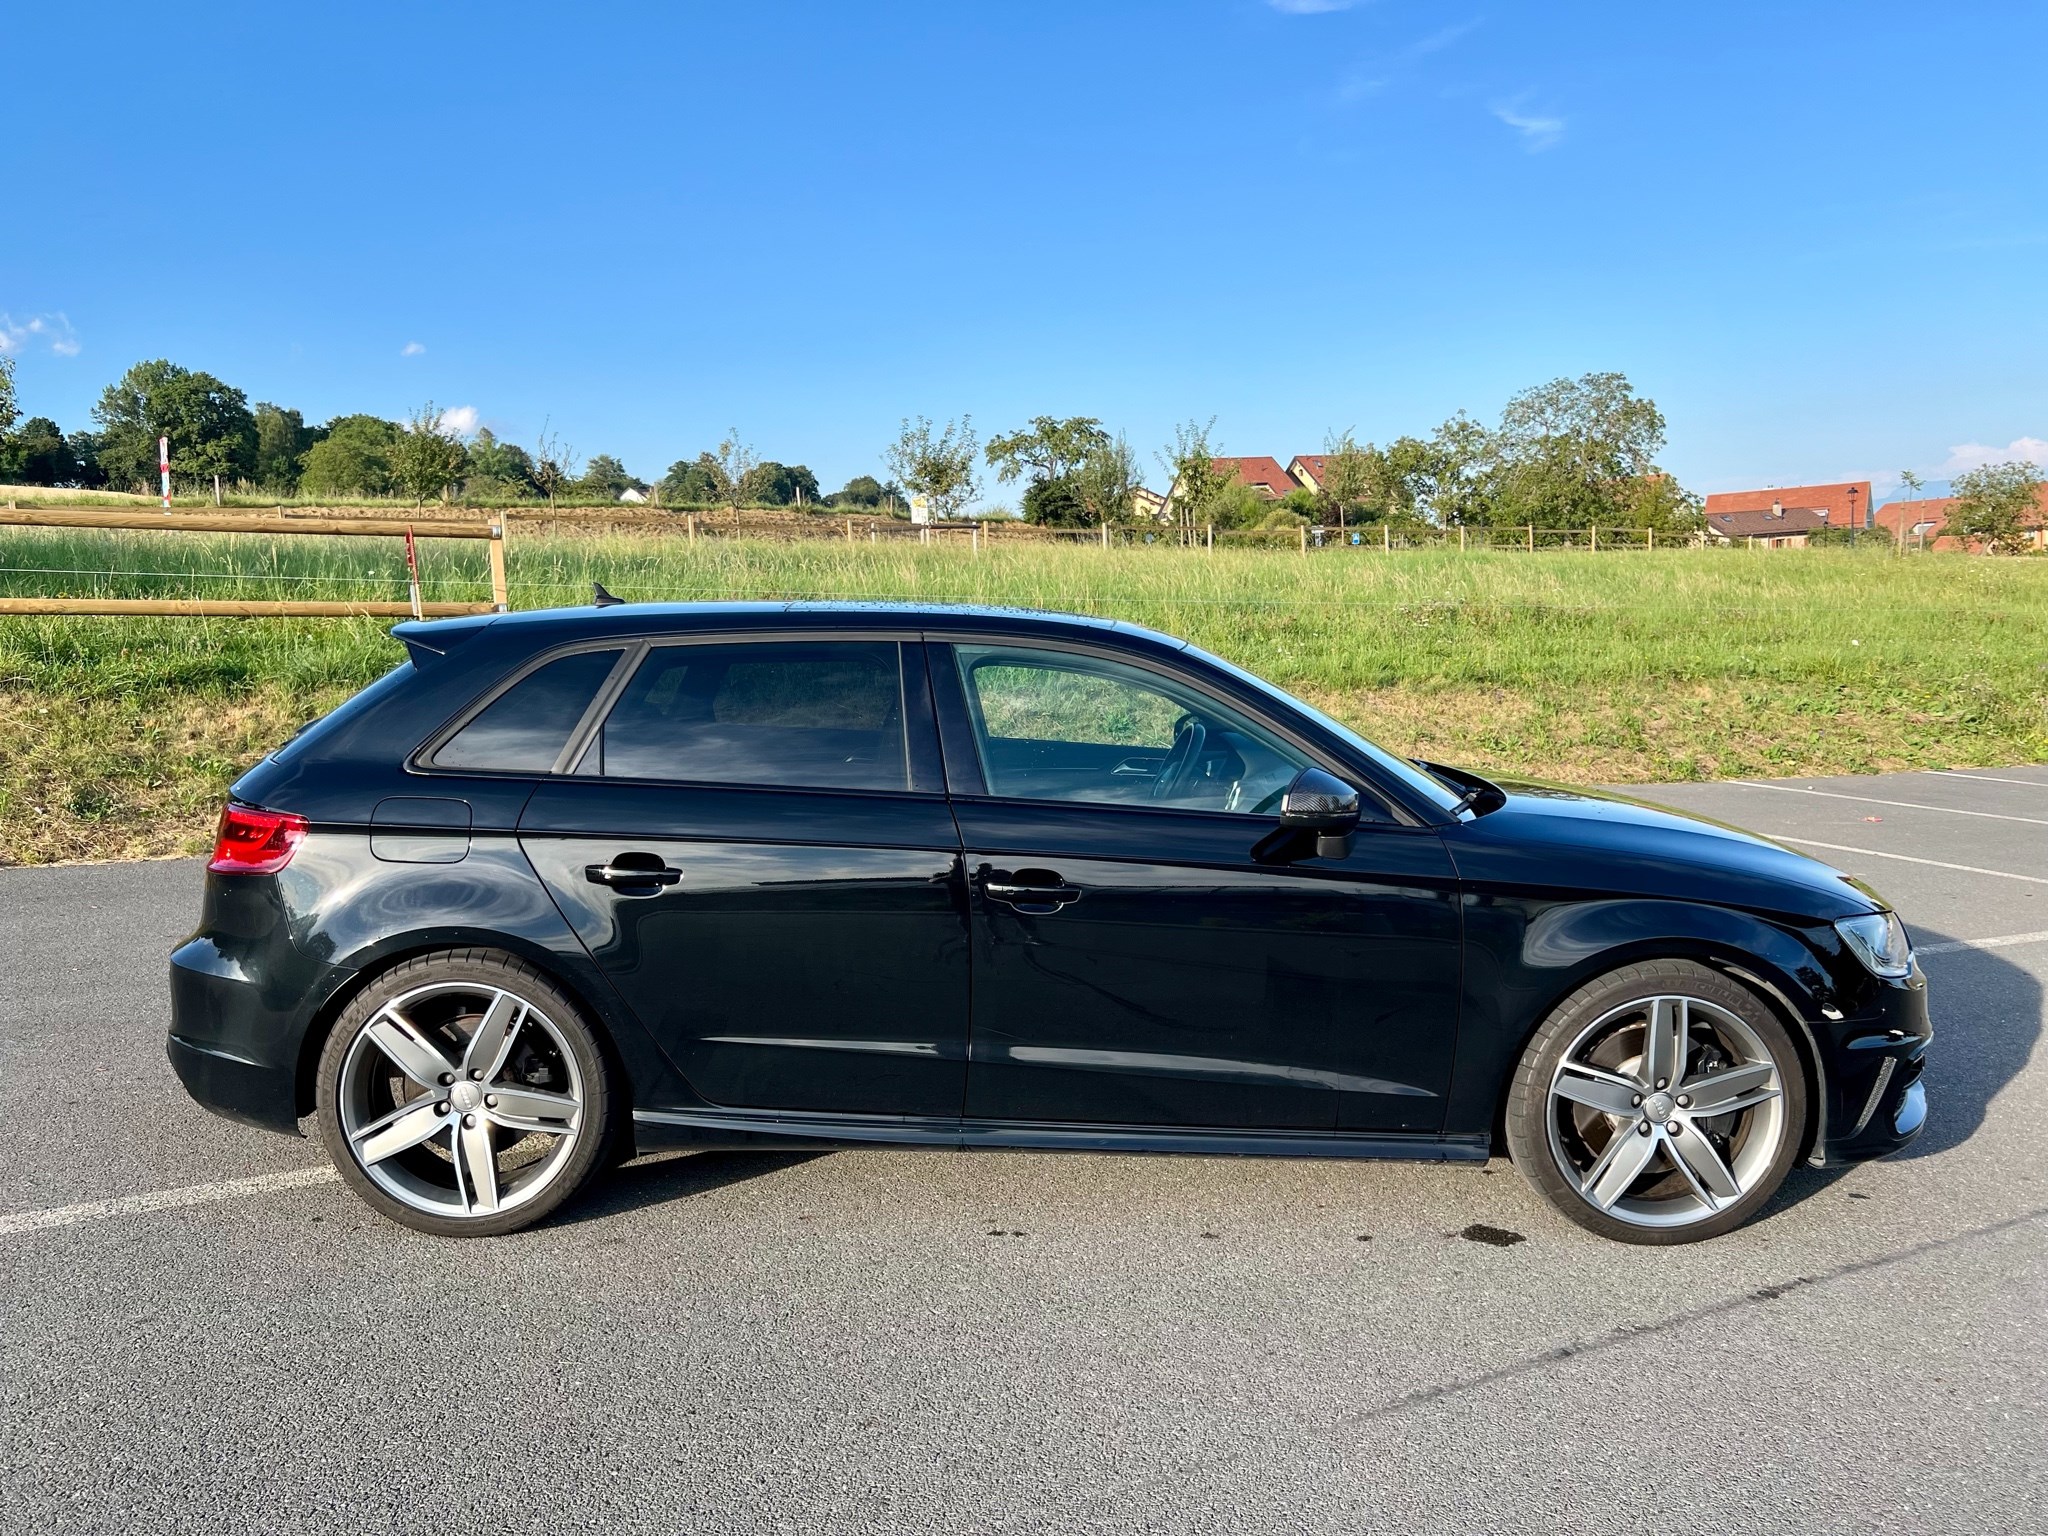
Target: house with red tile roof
x=1845, y=504
x=1262, y=472
x=1307, y=470
x=1925, y=522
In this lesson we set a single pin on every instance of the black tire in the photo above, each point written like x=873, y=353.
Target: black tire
x=1537, y=1123
x=572, y=1045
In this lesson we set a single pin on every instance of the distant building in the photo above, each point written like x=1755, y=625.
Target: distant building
x=636, y=497
x=1772, y=527
x=1925, y=522
x=1149, y=506
x=1307, y=470
x=1844, y=504
x=1261, y=472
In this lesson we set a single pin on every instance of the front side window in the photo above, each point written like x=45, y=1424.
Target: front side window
x=773, y=714
x=1053, y=725
x=525, y=728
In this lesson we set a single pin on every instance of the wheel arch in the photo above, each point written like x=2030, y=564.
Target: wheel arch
x=1761, y=957
x=585, y=991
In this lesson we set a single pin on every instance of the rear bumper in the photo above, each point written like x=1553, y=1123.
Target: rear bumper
x=236, y=1033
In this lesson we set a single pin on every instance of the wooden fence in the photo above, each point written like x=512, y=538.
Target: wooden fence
x=231, y=522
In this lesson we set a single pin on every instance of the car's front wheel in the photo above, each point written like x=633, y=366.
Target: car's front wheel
x=462, y=1093
x=1662, y=1103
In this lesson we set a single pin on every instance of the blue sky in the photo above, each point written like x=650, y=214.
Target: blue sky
x=1816, y=234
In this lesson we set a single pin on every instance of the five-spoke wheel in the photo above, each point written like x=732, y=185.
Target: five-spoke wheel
x=463, y=1093
x=1662, y=1103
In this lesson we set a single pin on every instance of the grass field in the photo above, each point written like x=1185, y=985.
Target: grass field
x=118, y=736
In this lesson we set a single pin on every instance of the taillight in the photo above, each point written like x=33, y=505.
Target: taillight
x=253, y=842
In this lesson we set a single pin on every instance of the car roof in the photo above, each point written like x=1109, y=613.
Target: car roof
x=542, y=626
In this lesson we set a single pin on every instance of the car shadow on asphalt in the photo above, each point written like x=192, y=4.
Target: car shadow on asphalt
x=1987, y=1015
x=666, y=1176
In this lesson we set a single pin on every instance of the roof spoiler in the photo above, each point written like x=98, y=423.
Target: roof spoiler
x=428, y=640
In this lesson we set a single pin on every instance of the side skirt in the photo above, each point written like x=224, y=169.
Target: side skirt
x=711, y=1129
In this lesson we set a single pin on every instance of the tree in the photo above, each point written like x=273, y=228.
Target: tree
x=1054, y=504
x=1996, y=504
x=605, y=479
x=938, y=468
x=1573, y=453
x=281, y=444
x=860, y=491
x=554, y=465
x=1193, y=480
x=1047, y=449
x=1105, y=481
x=37, y=455
x=732, y=463
x=691, y=482
x=428, y=457
x=352, y=458
x=498, y=471
x=1346, y=480
x=10, y=409
x=212, y=433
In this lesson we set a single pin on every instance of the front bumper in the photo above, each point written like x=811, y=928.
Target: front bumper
x=1876, y=1102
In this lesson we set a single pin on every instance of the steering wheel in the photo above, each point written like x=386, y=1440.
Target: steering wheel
x=1185, y=756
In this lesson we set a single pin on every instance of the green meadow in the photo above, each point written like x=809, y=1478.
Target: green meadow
x=118, y=736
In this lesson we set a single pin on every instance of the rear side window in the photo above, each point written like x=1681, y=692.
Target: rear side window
x=798, y=715
x=524, y=729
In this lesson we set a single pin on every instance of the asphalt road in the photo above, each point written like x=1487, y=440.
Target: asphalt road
x=197, y=1337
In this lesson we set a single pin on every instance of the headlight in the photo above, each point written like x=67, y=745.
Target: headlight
x=1880, y=942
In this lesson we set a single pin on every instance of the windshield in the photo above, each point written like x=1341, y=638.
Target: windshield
x=1400, y=768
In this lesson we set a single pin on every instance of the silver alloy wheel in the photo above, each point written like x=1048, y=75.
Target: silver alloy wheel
x=1666, y=1111
x=460, y=1099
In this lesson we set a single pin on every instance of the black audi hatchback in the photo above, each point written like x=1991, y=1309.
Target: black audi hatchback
x=566, y=885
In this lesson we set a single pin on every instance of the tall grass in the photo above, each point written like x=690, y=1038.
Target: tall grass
x=1613, y=666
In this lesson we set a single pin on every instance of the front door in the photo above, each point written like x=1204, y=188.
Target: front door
x=1134, y=964
x=755, y=850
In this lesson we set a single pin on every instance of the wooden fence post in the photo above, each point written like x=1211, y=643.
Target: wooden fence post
x=1387, y=538
x=1532, y=538
x=1461, y=538
x=1653, y=538
x=974, y=537
x=1303, y=531
x=500, y=596
x=1596, y=537
x=1105, y=535
x=849, y=530
x=1212, y=538
x=693, y=527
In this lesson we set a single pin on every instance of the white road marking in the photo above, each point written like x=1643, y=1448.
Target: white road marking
x=1985, y=778
x=2009, y=940
x=1906, y=858
x=1908, y=805
x=163, y=1200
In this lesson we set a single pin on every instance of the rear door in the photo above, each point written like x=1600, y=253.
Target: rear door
x=754, y=845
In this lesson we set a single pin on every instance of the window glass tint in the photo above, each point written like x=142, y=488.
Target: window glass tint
x=524, y=729
x=825, y=715
x=1051, y=725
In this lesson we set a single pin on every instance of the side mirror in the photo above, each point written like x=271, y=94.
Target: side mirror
x=1317, y=805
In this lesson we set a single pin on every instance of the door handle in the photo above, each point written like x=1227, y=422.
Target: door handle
x=1047, y=894
x=644, y=869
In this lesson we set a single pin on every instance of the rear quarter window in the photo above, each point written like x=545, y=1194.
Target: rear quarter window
x=310, y=734
x=524, y=729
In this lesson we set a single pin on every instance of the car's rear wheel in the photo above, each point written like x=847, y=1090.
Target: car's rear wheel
x=1662, y=1103
x=462, y=1093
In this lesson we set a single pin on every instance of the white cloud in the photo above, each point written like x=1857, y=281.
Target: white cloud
x=412, y=349
x=1965, y=457
x=1310, y=7
x=1538, y=133
x=51, y=331
x=460, y=419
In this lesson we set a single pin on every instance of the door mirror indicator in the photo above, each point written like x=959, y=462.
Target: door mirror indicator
x=1318, y=809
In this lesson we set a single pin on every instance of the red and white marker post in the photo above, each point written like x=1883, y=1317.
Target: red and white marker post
x=163, y=464
x=412, y=566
